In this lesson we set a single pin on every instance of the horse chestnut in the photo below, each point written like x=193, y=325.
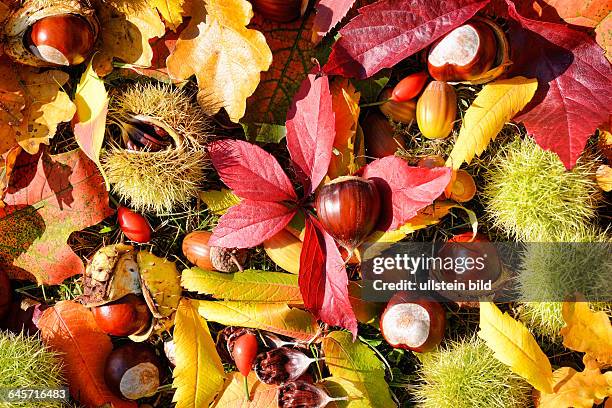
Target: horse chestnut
x=348, y=208
x=65, y=39
x=134, y=225
x=124, y=317
x=133, y=371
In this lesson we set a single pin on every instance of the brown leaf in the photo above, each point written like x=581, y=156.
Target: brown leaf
x=7, y=165
x=12, y=103
x=70, y=329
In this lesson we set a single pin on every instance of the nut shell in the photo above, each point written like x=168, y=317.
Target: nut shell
x=133, y=371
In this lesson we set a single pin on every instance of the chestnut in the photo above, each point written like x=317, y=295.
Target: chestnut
x=398, y=111
x=281, y=364
x=282, y=11
x=124, y=317
x=348, y=208
x=465, y=53
x=413, y=324
x=300, y=393
x=198, y=252
x=133, y=371
x=380, y=140
x=65, y=39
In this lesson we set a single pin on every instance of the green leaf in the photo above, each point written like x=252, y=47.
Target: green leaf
x=219, y=201
x=370, y=88
x=264, y=132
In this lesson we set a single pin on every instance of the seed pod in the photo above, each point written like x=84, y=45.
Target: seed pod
x=282, y=11
x=403, y=112
x=42, y=33
x=380, y=140
x=436, y=110
x=281, y=364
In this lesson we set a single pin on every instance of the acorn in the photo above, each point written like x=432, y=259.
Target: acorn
x=380, y=140
x=133, y=371
x=436, y=110
x=348, y=208
x=398, y=111
x=413, y=324
x=197, y=251
x=282, y=11
x=124, y=317
x=44, y=33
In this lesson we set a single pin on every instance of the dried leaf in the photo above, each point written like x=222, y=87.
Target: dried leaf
x=219, y=201
x=198, y=375
x=275, y=317
x=233, y=396
x=577, y=389
x=329, y=13
x=161, y=278
x=171, y=11
x=514, y=346
x=227, y=73
x=70, y=329
x=495, y=105
x=587, y=331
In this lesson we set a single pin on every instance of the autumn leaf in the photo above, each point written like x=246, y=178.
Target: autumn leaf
x=249, y=285
x=574, y=84
x=355, y=362
x=577, y=389
x=495, y=105
x=171, y=11
x=284, y=249
x=225, y=72
x=365, y=312
x=125, y=33
x=198, y=375
x=514, y=346
x=338, y=387
x=7, y=165
x=12, y=100
x=219, y=201
x=161, y=283
x=48, y=198
x=70, y=329
x=587, y=331
x=603, y=36
x=603, y=175
x=275, y=317
x=580, y=12
x=329, y=13
x=89, y=125
x=388, y=31
x=233, y=395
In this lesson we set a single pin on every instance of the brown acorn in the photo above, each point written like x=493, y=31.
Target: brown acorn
x=282, y=11
x=198, y=252
x=436, y=110
x=348, y=207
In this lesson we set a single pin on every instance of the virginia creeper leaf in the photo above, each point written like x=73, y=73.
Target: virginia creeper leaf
x=250, y=171
x=404, y=190
x=587, y=331
x=388, y=31
x=250, y=223
x=311, y=131
x=329, y=13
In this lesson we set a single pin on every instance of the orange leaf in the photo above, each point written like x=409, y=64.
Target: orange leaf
x=13, y=102
x=603, y=35
x=580, y=12
x=70, y=329
x=587, y=331
x=233, y=396
x=577, y=389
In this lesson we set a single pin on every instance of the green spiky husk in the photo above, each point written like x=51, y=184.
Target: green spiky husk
x=532, y=197
x=465, y=374
x=163, y=180
x=26, y=363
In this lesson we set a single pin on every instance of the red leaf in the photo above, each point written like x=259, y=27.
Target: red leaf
x=48, y=198
x=329, y=13
x=575, y=92
x=323, y=280
x=250, y=171
x=404, y=190
x=388, y=31
x=311, y=131
x=250, y=223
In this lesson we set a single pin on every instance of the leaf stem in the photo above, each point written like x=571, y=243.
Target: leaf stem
x=377, y=103
x=246, y=388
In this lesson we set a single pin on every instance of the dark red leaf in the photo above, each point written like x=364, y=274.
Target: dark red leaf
x=575, y=91
x=388, y=31
x=311, y=131
x=323, y=280
x=404, y=190
x=250, y=171
x=250, y=223
x=329, y=13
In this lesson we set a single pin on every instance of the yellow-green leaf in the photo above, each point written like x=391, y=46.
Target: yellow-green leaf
x=233, y=396
x=198, y=375
x=250, y=285
x=357, y=363
x=495, y=105
x=587, y=331
x=219, y=201
x=275, y=317
x=514, y=346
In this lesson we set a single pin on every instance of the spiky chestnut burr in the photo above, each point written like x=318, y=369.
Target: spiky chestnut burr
x=160, y=159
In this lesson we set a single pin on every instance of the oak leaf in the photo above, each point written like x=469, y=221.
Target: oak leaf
x=225, y=56
x=587, y=331
x=260, y=395
x=577, y=389
x=13, y=102
x=71, y=330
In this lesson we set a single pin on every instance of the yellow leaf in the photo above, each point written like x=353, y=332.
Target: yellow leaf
x=224, y=55
x=275, y=317
x=514, y=346
x=171, y=11
x=587, y=331
x=198, y=375
x=338, y=387
x=233, y=396
x=219, y=201
x=161, y=279
x=577, y=389
x=284, y=249
x=250, y=285
x=495, y=105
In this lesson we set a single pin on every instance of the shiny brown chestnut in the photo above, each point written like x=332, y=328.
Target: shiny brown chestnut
x=66, y=39
x=197, y=251
x=146, y=136
x=413, y=324
x=133, y=371
x=282, y=11
x=348, y=208
x=463, y=54
x=124, y=317
x=380, y=140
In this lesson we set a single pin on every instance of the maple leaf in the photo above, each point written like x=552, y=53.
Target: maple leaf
x=48, y=198
x=12, y=103
x=574, y=90
x=329, y=13
x=71, y=330
x=587, y=331
x=388, y=31
x=580, y=12
x=208, y=47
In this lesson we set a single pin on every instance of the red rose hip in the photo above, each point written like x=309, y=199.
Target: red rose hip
x=134, y=225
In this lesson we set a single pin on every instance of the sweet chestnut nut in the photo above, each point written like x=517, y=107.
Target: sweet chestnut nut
x=124, y=317
x=379, y=135
x=133, y=371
